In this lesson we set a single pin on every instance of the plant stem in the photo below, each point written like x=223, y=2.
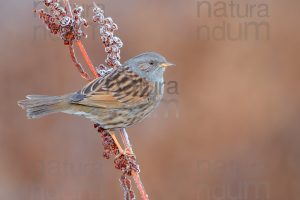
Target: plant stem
x=77, y=64
x=68, y=7
x=136, y=176
x=87, y=59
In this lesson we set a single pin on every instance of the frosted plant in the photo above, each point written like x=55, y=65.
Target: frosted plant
x=68, y=24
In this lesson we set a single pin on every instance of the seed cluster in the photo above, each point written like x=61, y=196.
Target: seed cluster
x=112, y=44
x=125, y=162
x=126, y=184
x=68, y=27
x=110, y=148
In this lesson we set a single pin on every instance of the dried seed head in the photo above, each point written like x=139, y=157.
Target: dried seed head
x=112, y=44
x=68, y=28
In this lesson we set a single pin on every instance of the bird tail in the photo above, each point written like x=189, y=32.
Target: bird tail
x=38, y=106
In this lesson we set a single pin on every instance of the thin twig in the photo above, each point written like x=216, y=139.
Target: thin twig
x=87, y=59
x=68, y=7
x=77, y=64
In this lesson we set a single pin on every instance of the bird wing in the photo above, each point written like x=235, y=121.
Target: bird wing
x=120, y=88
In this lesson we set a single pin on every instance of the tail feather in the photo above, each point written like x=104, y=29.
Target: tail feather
x=38, y=106
x=36, y=96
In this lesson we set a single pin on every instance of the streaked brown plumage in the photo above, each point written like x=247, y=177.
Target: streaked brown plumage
x=122, y=98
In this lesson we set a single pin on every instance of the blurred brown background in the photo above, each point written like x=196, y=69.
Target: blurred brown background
x=237, y=133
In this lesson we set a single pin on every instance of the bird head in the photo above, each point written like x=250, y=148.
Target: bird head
x=149, y=65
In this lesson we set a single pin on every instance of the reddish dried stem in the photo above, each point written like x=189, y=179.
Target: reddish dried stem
x=77, y=64
x=87, y=59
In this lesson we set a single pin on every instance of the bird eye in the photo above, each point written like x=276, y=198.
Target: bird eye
x=151, y=63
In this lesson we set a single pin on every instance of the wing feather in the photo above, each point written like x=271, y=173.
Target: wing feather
x=120, y=88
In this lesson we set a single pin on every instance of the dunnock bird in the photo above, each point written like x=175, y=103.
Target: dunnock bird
x=121, y=98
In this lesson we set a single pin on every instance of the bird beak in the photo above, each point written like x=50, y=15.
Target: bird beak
x=167, y=64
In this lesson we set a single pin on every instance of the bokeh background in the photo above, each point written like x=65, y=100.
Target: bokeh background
x=233, y=132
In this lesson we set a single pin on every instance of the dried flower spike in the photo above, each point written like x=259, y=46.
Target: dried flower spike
x=126, y=185
x=112, y=44
x=69, y=28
